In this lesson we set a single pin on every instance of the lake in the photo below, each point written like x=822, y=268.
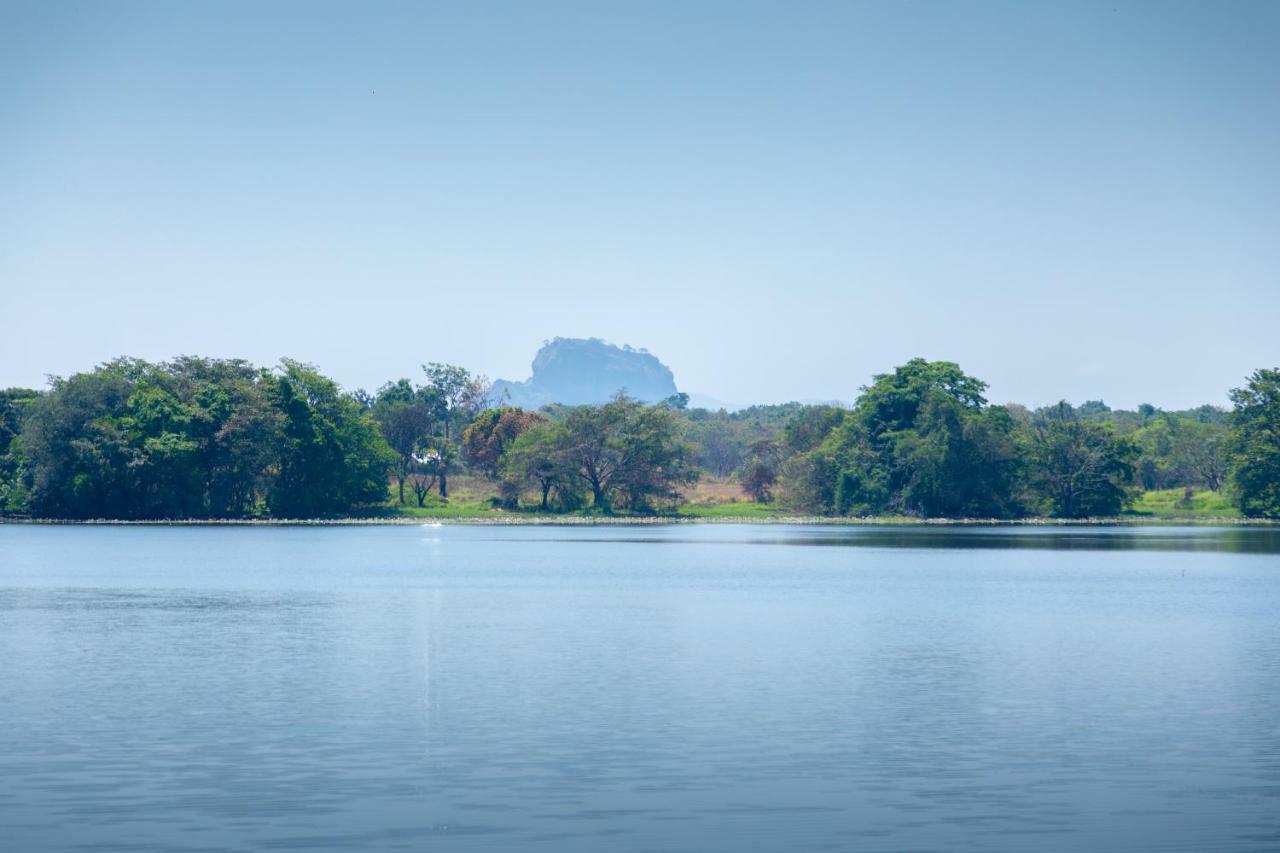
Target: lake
x=665, y=688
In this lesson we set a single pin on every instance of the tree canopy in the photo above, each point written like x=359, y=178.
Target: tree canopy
x=1256, y=444
x=221, y=438
x=194, y=438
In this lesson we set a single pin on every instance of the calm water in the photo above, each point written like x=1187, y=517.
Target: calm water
x=693, y=688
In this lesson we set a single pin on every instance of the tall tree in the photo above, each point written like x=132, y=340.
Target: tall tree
x=407, y=419
x=625, y=449
x=919, y=441
x=76, y=466
x=1079, y=468
x=457, y=397
x=1255, y=440
x=956, y=462
x=334, y=455
x=15, y=403
x=539, y=457
x=892, y=402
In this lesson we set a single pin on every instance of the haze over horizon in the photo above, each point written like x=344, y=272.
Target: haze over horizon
x=777, y=202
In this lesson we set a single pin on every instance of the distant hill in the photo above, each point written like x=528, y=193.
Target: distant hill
x=575, y=371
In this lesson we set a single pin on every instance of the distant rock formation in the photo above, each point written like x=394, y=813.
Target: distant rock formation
x=577, y=371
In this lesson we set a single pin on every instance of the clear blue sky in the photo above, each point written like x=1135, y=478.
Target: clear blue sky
x=779, y=200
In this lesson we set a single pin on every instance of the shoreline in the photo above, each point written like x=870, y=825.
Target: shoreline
x=654, y=520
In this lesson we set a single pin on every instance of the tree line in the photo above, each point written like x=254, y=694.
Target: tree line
x=213, y=438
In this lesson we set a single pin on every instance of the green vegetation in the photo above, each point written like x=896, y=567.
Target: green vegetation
x=1184, y=503
x=201, y=438
x=1256, y=444
x=195, y=438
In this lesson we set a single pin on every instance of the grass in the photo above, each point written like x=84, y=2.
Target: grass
x=716, y=499
x=471, y=498
x=1172, y=503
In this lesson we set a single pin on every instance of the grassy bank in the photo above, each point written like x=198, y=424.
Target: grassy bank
x=1173, y=503
x=718, y=501
x=471, y=502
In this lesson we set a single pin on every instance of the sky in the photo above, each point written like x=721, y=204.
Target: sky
x=779, y=200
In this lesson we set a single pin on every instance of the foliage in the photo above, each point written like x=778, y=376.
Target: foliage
x=920, y=441
x=198, y=438
x=492, y=431
x=1177, y=451
x=626, y=452
x=456, y=397
x=807, y=428
x=759, y=473
x=720, y=441
x=1080, y=467
x=956, y=461
x=195, y=438
x=1255, y=426
x=539, y=458
x=332, y=456
x=14, y=405
x=893, y=400
x=406, y=415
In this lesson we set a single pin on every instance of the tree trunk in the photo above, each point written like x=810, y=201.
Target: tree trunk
x=444, y=484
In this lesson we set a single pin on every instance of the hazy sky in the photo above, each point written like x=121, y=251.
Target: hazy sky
x=779, y=200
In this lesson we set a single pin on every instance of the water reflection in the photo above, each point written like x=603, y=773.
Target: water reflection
x=1244, y=540
x=1233, y=540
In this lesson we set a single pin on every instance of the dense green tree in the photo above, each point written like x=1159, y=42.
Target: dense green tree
x=1203, y=453
x=625, y=449
x=919, y=441
x=14, y=405
x=809, y=427
x=1255, y=440
x=75, y=466
x=199, y=437
x=539, y=457
x=187, y=438
x=851, y=475
x=246, y=432
x=1079, y=468
x=1181, y=449
x=892, y=402
x=956, y=462
x=333, y=455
